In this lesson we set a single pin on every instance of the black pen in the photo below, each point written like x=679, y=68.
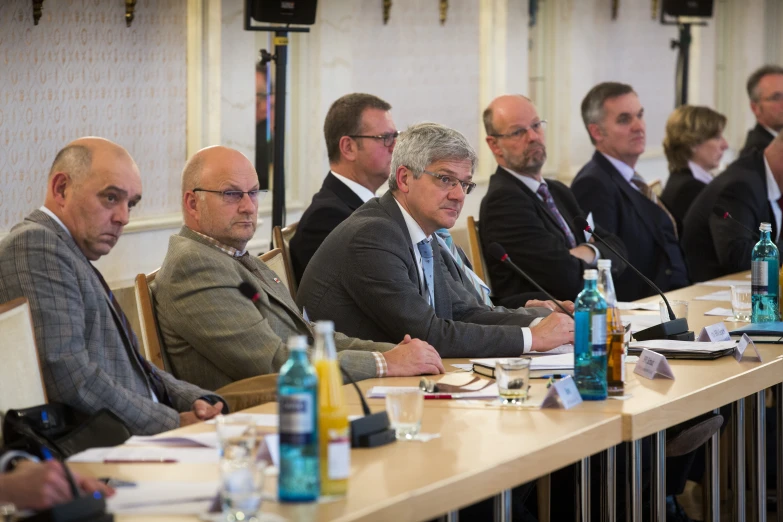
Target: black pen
x=551, y=376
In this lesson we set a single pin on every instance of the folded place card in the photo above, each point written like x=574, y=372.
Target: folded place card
x=562, y=394
x=714, y=333
x=651, y=364
x=742, y=345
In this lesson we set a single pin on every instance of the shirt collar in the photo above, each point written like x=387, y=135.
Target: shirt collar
x=415, y=231
x=55, y=218
x=529, y=181
x=233, y=252
x=363, y=192
x=624, y=169
x=773, y=191
x=700, y=173
x=773, y=132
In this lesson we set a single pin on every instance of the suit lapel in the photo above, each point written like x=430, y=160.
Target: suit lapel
x=389, y=204
x=343, y=192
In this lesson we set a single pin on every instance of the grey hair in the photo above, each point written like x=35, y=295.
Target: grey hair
x=423, y=144
x=593, y=104
x=755, y=79
x=76, y=160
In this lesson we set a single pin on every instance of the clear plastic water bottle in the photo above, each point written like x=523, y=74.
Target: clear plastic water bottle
x=764, y=266
x=297, y=389
x=590, y=340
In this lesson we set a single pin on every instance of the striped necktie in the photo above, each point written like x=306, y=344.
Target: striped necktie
x=647, y=192
x=543, y=191
x=427, y=266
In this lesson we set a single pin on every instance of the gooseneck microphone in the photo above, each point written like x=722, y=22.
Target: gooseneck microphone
x=723, y=213
x=674, y=328
x=496, y=251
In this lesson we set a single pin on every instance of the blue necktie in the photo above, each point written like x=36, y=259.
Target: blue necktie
x=425, y=249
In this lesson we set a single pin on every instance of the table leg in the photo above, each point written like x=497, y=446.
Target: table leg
x=503, y=506
x=739, y=460
x=634, y=508
x=761, y=456
x=660, y=475
x=452, y=516
x=713, y=514
x=609, y=482
x=584, y=488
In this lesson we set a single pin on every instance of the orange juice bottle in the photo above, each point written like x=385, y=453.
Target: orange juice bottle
x=333, y=430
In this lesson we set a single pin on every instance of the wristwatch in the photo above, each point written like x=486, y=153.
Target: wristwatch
x=7, y=512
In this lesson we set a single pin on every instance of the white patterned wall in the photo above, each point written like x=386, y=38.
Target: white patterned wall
x=80, y=72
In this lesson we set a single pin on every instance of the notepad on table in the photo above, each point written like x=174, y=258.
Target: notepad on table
x=761, y=332
x=684, y=349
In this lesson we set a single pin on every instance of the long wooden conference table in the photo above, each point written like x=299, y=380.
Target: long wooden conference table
x=485, y=449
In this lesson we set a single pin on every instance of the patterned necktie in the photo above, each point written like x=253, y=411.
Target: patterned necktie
x=480, y=286
x=425, y=249
x=157, y=382
x=543, y=191
x=647, y=192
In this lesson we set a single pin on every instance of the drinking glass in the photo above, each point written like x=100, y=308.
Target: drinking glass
x=405, y=407
x=680, y=309
x=241, y=472
x=513, y=378
x=741, y=303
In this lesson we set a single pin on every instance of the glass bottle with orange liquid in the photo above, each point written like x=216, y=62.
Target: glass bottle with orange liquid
x=615, y=335
x=334, y=436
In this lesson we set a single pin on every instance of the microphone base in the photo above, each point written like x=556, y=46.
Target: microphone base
x=82, y=509
x=371, y=431
x=676, y=330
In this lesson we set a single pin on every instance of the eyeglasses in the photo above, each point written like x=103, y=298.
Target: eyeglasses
x=388, y=138
x=775, y=98
x=538, y=127
x=449, y=182
x=234, y=196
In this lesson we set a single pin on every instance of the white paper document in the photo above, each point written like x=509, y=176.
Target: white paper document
x=163, y=498
x=665, y=345
x=650, y=306
x=641, y=321
x=726, y=283
x=490, y=392
x=719, y=312
x=268, y=420
x=720, y=295
x=563, y=361
x=148, y=454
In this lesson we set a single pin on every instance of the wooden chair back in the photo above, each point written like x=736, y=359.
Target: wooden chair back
x=250, y=392
x=275, y=259
x=281, y=238
x=150, y=332
x=476, y=254
x=21, y=378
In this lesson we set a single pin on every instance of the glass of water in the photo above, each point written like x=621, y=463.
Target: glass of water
x=741, y=303
x=241, y=472
x=513, y=378
x=405, y=407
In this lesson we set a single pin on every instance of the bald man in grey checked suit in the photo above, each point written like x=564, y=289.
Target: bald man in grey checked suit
x=89, y=358
x=214, y=335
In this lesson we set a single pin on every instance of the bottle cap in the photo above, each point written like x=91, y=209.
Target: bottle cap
x=765, y=227
x=604, y=263
x=297, y=342
x=591, y=274
x=324, y=327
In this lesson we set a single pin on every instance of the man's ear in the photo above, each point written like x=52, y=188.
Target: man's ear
x=403, y=177
x=595, y=132
x=189, y=203
x=348, y=148
x=494, y=146
x=60, y=184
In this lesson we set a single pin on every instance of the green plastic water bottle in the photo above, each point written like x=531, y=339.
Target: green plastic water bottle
x=590, y=340
x=764, y=266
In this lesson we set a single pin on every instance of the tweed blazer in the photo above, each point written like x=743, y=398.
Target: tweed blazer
x=86, y=359
x=364, y=277
x=214, y=335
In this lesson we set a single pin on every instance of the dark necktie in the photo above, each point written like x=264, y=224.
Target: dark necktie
x=425, y=249
x=122, y=322
x=543, y=191
x=647, y=192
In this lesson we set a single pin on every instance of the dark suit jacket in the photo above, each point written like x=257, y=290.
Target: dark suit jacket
x=330, y=206
x=758, y=139
x=512, y=215
x=365, y=279
x=678, y=194
x=714, y=246
x=645, y=229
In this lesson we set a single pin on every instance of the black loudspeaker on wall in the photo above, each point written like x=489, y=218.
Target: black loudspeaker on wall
x=700, y=8
x=297, y=12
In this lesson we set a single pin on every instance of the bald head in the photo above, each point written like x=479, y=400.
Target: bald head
x=206, y=209
x=515, y=134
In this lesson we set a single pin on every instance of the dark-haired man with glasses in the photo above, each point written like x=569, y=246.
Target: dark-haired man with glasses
x=381, y=271
x=530, y=216
x=213, y=334
x=765, y=90
x=360, y=137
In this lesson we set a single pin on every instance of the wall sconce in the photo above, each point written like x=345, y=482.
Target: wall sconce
x=130, y=6
x=386, y=11
x=444, y=7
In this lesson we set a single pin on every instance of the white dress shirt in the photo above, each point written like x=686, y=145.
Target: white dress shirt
x=773, y=132
x=417, y=235
x=773, y=195
x=625, y=170
x=700, y=173
x=363, y=192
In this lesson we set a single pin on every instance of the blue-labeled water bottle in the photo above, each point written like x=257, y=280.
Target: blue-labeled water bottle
x=764, y=266
x=297, y=390
x=590, y=340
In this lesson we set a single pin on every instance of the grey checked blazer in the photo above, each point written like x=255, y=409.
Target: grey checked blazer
x=214, y=335
x=86, y=360
x=364, y=277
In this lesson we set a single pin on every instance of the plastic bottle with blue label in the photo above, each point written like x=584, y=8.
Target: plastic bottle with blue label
x=590, y=340
x=764, y=269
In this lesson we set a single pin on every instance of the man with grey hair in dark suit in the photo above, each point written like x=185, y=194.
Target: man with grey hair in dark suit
x=380, y=274
x=89, y=355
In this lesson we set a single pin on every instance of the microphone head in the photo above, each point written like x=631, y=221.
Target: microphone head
x=581, y=223
x=720, y=211
x=496, y=251
x=248, y=290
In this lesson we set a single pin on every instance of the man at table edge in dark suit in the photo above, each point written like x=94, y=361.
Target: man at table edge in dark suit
x=620, y=199
x=749, y=189
x=89, y=355
x=536, y=230
x=360, y=137
x=765, y=91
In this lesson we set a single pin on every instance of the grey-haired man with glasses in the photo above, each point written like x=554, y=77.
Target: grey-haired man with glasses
x=381, y=272
x=532, y=217
x=765, y=90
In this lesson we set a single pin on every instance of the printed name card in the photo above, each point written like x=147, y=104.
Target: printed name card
x=714, y=333
x=562, y=393
x=739, y=351
x=651, y=364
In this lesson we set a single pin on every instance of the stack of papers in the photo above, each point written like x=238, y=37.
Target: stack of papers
x=721, y=295
x=684, y=349
x=164, y=498
x=652, y=306
x=490, y=392
x=563, y=361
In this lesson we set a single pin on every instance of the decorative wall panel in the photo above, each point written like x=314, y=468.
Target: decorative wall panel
x=80, y=72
